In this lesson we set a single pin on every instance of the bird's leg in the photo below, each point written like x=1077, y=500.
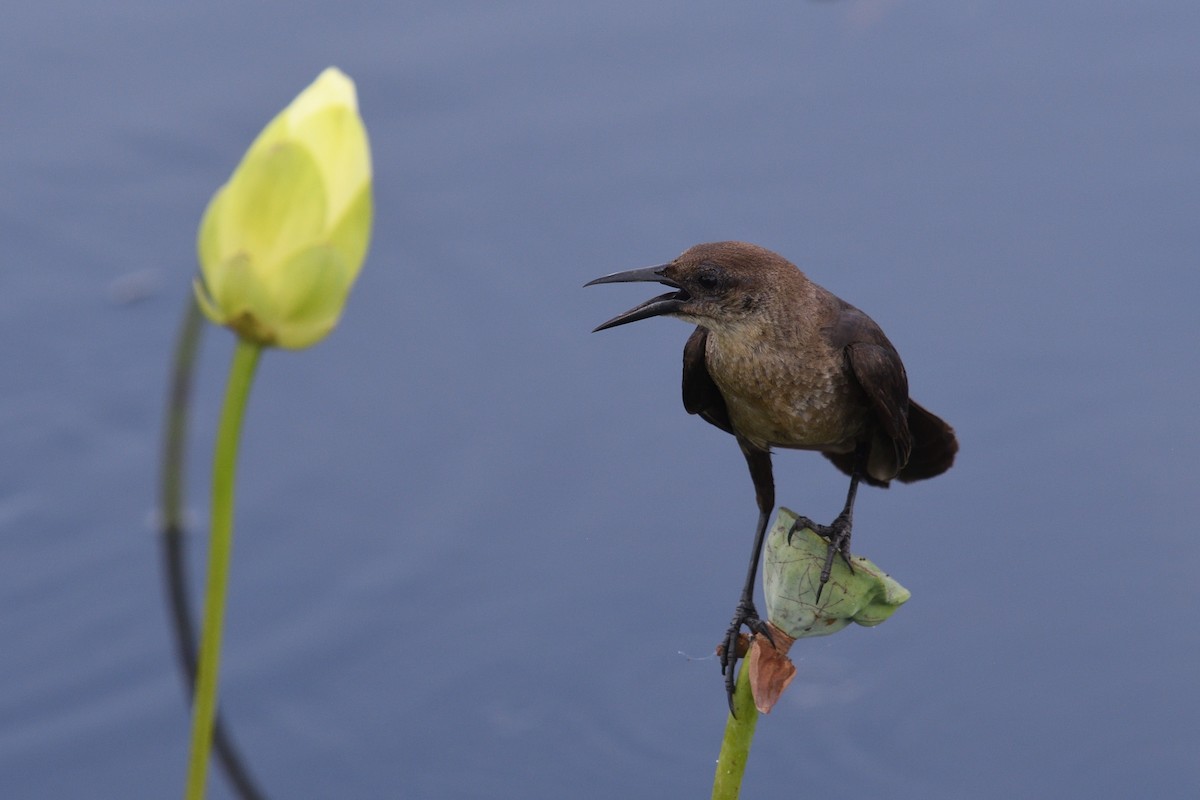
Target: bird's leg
x=837, y=533
x=746, y=614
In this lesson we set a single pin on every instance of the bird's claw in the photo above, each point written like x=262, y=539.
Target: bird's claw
x=746, y=614
x=837, y=534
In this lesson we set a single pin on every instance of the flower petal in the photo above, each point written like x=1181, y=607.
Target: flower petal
x=208, y=240
x=275, y=132
x=273, y=206
x=331, y=88
x=351, y=234
x=310, y=295
x=338, y=143
x=206, y=303
x=239, y=301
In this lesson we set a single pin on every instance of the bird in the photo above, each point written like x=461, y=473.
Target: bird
x=780, y=362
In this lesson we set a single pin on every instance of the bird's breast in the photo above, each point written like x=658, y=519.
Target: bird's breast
x=787, y=399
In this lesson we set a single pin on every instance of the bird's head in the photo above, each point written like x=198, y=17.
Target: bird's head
x=716, y=285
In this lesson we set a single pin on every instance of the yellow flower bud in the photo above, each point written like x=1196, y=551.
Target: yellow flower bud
x=282, y=242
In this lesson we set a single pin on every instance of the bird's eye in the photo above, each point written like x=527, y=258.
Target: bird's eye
x=709, y=279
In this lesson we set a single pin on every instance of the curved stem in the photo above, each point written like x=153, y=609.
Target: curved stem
x=237, y=392
x=175, y=433
x=172, y=530
x=739, y=733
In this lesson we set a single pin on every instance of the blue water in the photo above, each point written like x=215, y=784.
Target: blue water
x=484, y=553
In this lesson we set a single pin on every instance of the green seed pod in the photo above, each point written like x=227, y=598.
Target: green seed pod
x=791, y=575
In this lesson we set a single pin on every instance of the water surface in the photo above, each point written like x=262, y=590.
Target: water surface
x=484, y=553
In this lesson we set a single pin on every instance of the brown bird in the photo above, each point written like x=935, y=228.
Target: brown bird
x=777, y=361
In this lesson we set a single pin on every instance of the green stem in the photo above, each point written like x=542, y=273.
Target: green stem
x=241, y=376
x=174, y=536
x=739, y=732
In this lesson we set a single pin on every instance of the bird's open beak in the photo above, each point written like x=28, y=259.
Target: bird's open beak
x=668, y=303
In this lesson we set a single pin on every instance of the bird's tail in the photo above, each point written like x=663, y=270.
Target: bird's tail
x=933, y=448
x=934, y=445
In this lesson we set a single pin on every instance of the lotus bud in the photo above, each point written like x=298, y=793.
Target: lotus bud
x=283, y=240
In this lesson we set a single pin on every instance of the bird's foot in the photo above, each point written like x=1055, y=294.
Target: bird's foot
x=745, y=614
x=837, y=534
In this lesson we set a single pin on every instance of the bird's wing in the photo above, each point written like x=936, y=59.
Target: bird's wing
x=877, y=368
x=882, y=378
x=700, y=393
